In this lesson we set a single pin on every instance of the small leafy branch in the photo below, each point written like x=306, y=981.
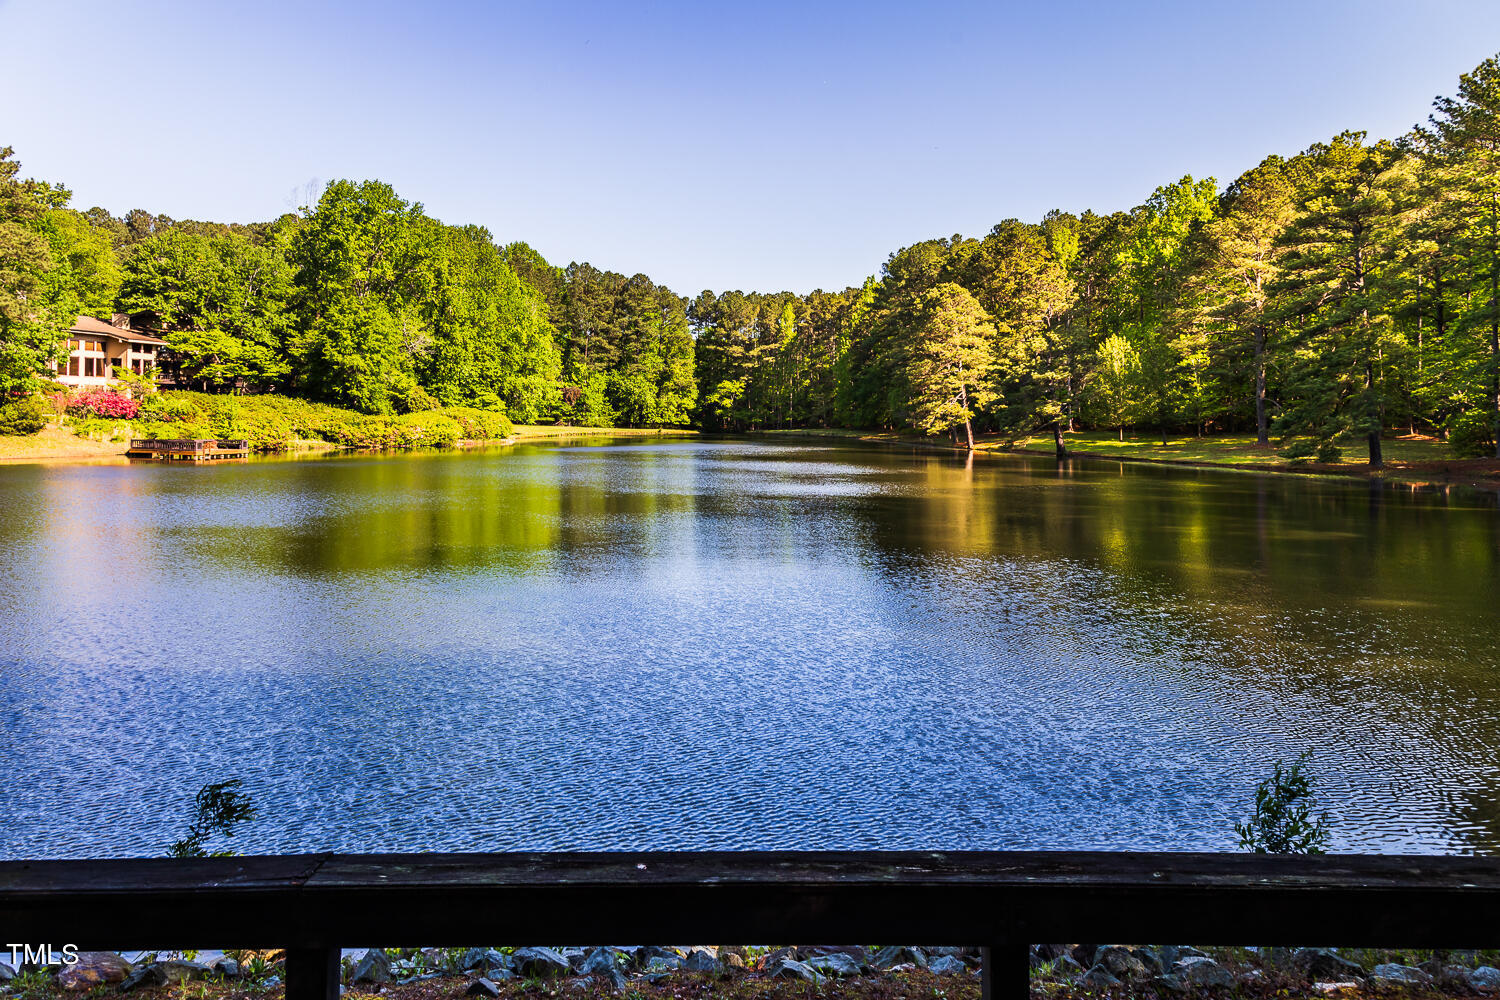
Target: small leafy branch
x=1284, y=821
x=219, y=809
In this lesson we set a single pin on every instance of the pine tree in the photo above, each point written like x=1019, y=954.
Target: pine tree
x=1236, y=261
x=949, y=361
x=1332, y=297
x=1466, y=128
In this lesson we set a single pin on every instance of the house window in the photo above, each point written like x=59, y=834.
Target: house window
x=73, y=365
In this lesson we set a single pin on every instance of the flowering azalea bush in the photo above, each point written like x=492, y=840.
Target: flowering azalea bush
x=103, y=403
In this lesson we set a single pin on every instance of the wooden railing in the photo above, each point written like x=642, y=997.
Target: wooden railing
x=187, y=444
x=313, y=905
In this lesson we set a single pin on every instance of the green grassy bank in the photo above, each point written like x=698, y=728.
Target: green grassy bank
x=1406, y=457
x=280, y=424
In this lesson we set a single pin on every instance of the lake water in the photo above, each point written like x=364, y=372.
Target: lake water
x=700, y=644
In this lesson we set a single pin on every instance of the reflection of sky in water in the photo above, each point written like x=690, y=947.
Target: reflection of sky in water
x=705, y=644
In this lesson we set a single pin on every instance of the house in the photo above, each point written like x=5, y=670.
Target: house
x=95, y=348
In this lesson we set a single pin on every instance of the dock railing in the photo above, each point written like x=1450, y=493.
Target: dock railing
x=313, y=905
x=188, y=449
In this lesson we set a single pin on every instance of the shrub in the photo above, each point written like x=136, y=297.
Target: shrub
x=481, y=425
x=1283, y=822
x=417, y=400
x=110, y=429
x=26, y=415
x=1300, y=450
x=217, y=808
x=153, y=429
x=103, y=403
x=433, y=429
x=169, y=407
x=271, y=423
x=1472, y=435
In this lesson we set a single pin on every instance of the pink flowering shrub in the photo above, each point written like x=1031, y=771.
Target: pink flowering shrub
x=103, y=403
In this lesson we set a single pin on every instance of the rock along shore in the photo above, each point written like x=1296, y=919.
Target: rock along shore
x=1058, y=970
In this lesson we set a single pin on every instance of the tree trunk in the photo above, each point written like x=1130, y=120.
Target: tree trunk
x=969, y=431
x=1375, y=457
x=1057, y=440
x=1262, y=429
x=1494, y=328
x=1122, y=432
x=1493, y=402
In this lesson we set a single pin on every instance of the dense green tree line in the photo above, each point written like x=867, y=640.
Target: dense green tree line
x=1319, y=299
x=362, y=300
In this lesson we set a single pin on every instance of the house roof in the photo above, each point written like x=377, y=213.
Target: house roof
x=88, y=324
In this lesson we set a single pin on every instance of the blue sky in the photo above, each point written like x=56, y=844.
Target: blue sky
x=778, y=145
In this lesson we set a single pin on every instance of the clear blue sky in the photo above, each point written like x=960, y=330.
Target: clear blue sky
x=774, y=145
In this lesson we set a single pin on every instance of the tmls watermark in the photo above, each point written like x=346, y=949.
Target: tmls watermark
x=41, y=954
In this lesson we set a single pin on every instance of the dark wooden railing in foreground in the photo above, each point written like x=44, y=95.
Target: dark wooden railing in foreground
x=312, y=905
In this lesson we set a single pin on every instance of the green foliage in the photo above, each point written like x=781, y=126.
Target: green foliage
x=493, y=344
x=949, y=360
x=481, y=425
x=220, y=300
x=1300, y=450
x=170, y=407
x=1472, y=435
x=627, y=351
x=25, y=416
x=275, y=423
x=1333, y=287
x=133, y=384
x=1117, y=367
x=32, y=317
x=417, y=399
x=217, y=809
x=1284, y=821
x=86, y=276
x=362, y=276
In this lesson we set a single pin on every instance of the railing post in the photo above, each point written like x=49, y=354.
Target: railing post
x=1005, y=971
x=312, y=974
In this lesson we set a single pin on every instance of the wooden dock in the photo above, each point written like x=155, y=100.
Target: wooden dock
x=188, y=449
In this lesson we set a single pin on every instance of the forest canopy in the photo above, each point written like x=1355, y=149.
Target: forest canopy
x=1319, y=299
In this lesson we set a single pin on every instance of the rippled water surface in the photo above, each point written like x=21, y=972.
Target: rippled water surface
x=697, y=644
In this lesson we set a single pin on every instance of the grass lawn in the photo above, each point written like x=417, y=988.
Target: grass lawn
x=1407, y=457
x=54, y=442
x=1236, y=449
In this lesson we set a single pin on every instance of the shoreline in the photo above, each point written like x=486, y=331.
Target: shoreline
x=1478, y=473
x=58, y=445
